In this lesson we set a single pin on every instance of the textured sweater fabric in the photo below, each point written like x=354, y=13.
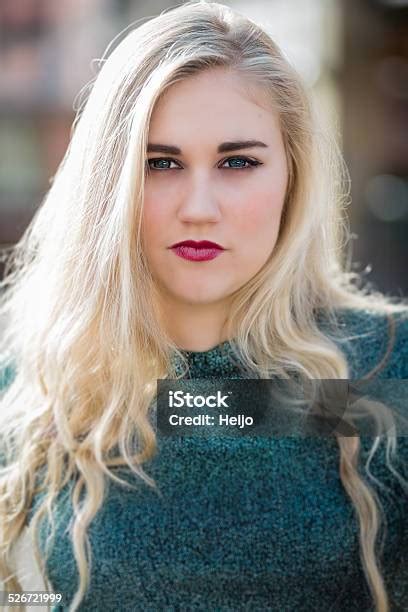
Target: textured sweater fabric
x=244, y=523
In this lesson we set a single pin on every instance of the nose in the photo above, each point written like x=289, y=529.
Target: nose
x=199, y=203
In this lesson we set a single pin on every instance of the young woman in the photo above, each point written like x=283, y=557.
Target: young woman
x=196, y=131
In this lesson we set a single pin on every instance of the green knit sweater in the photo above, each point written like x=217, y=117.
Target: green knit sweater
x=244, y=523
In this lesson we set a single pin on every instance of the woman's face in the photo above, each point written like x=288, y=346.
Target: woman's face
x=195, y=192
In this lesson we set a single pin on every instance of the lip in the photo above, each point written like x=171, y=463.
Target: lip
x=203, y=250
x=198, y=244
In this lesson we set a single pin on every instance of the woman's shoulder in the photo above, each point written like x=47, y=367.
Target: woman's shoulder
x=375, y=341
x=376, y=344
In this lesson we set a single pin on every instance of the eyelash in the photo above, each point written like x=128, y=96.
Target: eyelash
x=252, y=163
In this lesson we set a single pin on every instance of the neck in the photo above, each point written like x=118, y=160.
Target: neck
x=195, y=327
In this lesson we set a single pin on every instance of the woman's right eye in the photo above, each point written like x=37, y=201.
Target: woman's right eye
x=161, y=163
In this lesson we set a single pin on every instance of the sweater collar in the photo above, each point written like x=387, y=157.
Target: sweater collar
x=217, y=362
x=220, y=361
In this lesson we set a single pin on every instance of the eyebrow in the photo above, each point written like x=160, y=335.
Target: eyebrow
x=224, y=147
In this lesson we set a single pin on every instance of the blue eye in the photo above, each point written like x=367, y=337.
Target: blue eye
x=251, y=162
x=162, y=166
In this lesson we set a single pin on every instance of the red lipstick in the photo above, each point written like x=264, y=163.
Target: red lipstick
x=202, y=250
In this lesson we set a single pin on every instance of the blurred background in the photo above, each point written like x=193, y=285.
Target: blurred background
x=354, y=53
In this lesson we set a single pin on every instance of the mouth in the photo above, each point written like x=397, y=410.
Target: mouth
x=198, y=244
x=192, y=250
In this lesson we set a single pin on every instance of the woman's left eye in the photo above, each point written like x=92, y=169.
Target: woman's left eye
x=246, y=160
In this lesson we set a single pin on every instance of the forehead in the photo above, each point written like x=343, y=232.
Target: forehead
x=223, y=102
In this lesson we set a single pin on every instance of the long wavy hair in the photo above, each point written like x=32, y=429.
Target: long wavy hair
x=77, y=294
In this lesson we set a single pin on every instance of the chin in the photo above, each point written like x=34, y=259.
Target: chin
x=199, y=297
x=196, y=300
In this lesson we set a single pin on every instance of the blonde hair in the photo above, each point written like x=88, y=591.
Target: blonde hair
x=77, y=303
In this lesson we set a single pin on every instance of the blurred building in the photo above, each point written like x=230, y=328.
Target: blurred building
x=353, y=52
x=374, y=89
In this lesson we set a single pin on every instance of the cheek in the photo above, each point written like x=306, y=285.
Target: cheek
x=153, y=217
x=261, y=213
x=159, y=208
